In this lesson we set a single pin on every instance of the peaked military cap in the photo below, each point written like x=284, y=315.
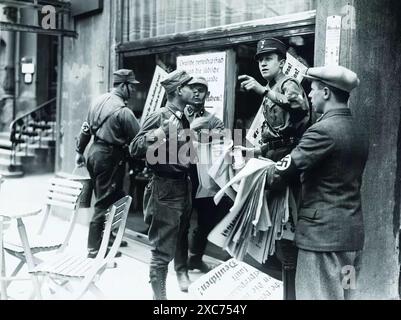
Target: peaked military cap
x=270, y=45
x=199, y=80
x=335, y=76
x=175, y=79
x=124, y=76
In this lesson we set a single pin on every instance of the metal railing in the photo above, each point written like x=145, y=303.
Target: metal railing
x=30, y=129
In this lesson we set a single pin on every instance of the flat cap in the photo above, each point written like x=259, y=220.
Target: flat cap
x=270, y=45
x=175, y=79
x=335, y=76
x=198, y=80
x=124, y=76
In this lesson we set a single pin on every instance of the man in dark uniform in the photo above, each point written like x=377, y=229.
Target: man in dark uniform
x=208, y=214
x=167, y=198
x=285, y=105
x=330, y=157
x=287, y=116
x=113, y=126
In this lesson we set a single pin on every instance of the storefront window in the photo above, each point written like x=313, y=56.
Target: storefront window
x=152, y=18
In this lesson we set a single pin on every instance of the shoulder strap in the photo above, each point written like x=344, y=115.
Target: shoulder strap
x=94, y=130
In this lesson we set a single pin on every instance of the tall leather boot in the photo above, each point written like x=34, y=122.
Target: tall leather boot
x=158, y=277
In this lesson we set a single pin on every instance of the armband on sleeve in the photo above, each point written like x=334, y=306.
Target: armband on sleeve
x=280, y=173
x=285, y=167
x=85, y=129
x=83, y=138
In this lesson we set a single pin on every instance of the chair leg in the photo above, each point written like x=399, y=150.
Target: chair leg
x=16, y=270
x=88, y=284
x=45, y=217
x=96, y=291
x=28, y=256
x=3, y=274
x=3, y=284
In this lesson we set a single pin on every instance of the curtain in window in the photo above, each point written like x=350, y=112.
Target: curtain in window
x=151, y=18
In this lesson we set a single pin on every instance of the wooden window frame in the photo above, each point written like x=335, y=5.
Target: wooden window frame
x=223, y=37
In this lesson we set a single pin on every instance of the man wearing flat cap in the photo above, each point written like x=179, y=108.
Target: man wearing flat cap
x=113, y=125
x=330, y=158
x=167, y=197
x=287, y=116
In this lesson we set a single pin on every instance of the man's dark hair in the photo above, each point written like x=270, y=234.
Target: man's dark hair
x=281, y=56
x=341, y=95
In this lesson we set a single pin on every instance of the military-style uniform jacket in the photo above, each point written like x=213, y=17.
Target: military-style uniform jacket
x=146, y=138
x=331, y=157
x=110, y=121
x=287, y=115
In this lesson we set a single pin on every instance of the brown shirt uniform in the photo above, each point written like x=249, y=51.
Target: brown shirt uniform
x=170, y=154
x=286, y=115
x=110, y=121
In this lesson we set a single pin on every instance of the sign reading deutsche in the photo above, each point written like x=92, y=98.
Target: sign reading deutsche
x=236, y=280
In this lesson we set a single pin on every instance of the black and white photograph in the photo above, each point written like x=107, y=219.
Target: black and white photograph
x=207, y=152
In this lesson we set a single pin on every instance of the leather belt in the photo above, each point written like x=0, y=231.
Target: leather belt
x=280, y=143
x=172, y=175
x=106, y=143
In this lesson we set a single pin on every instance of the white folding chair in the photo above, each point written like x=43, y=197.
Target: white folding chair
x=62, y=193
x=66, y=268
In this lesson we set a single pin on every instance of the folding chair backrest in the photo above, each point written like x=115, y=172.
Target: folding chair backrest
x=63, y=193
x=116, y=218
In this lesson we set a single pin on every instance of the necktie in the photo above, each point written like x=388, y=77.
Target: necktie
x=185, y=122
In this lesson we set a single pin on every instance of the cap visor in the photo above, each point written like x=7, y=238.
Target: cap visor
x=311, y=77
x=265, y=51
x=335, y=85
x=186, y=82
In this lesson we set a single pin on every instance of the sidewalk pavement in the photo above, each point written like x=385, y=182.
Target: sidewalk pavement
x=128, y=281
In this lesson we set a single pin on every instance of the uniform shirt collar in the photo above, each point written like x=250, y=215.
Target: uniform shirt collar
x=175, y=110
x=191, y=112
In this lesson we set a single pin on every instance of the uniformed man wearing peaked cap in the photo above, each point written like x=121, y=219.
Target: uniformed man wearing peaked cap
x=286, y=117
x=331, y=158
x=167, y=198
x=113, y=126
x=174, y=80
x=124, y=76
x=270, y=45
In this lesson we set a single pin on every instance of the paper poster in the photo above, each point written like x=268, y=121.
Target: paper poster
x=208, y=153
x=155, y=94
x=254, y=134
x=236, y=280
x=294, y=68
x=211, y=66
x=333, y=38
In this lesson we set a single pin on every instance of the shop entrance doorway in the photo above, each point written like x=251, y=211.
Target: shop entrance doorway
x=240, y=109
